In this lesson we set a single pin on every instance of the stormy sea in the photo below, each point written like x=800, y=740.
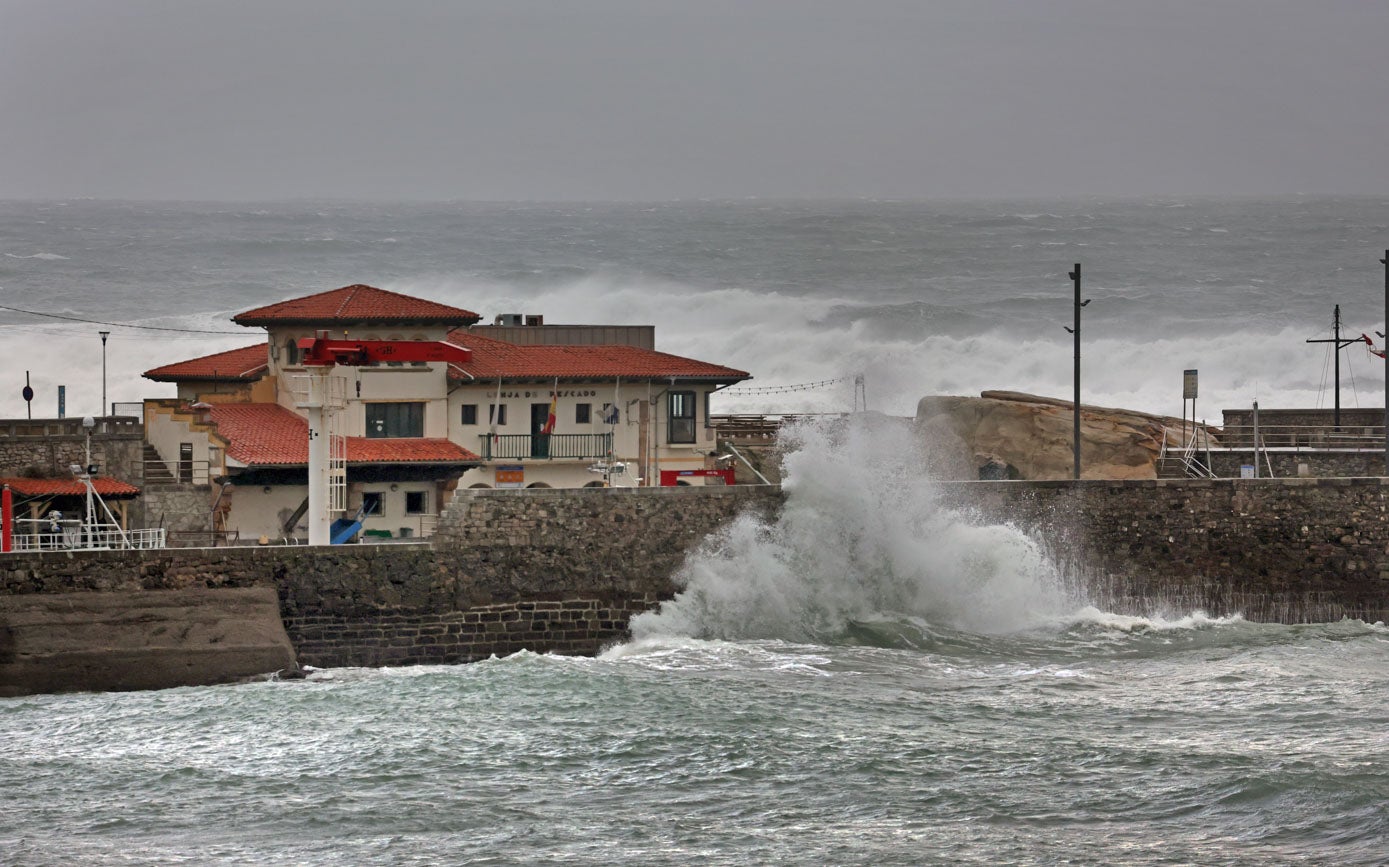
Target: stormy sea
x=872, y=678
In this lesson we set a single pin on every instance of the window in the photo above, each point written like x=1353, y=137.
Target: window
x=371, y=503
x=185, y=462
x=291, y=352
x=395, y=420
x=415, y=503
x=681, y=416
x=469, y=413
x=500, y=410
x=582, y=412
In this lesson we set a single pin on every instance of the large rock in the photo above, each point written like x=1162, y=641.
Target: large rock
x=1004, y=434
x=67, y=642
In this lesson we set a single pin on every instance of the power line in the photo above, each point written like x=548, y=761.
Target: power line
x=784, y=389
x=121, y=324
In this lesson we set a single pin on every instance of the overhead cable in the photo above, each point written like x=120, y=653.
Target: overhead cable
x=121, y=324
x=784, y=389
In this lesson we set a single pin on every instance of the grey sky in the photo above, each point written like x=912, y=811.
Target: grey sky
x=606, y=99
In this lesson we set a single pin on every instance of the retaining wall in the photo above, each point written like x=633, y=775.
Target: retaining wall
x=546, y=570
x=1289, y=550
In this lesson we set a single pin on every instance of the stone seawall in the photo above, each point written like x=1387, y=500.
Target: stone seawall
x=141, y=639
x=563, y=570
x=1289, y=550
x=545, y=570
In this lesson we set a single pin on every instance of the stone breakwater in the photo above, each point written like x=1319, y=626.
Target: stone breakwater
x=1283, y=550
x=544, y=570
x=563, y=570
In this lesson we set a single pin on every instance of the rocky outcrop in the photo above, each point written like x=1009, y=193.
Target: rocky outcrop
x=1008, y=435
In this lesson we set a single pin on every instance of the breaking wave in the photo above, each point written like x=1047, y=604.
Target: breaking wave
x=863, y=538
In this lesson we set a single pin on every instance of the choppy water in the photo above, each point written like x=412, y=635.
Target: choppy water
x=872, y=679
x=921, y=297
x=1199, y=743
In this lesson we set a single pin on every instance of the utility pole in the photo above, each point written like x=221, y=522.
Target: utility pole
x=1385, y=263
x=1340, y=344
x=1075, y=409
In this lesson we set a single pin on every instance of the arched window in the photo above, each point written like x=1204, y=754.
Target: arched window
x=291, y=352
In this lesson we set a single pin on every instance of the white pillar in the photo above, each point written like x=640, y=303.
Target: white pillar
x=320, y=522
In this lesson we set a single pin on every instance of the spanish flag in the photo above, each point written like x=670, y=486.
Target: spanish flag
x=549, y=427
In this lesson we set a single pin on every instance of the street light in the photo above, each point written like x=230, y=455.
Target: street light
x=104, y=335
x=1075, y=434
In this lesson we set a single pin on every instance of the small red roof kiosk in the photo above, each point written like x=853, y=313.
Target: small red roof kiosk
x=327, y=465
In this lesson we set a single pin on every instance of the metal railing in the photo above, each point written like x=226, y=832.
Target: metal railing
x=760, y=426
x=194, y=472
x=1188, y=453
x=73, y=535
x=545, y=446
x=1300, y=437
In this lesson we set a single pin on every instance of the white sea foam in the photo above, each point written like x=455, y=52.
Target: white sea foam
x=1090, y=615
x=863, y=535
x=785, y=339
x=45, y=256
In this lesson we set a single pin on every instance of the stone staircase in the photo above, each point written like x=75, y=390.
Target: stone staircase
x=156, y=472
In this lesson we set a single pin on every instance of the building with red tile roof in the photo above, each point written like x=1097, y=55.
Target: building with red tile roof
x=106, y=486
x=247, y=364
x=355, y=305
x=269, y=435
x=526, y=411
x=493, y=359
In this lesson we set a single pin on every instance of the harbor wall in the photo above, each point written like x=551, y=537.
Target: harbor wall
x=140, y=639
x=562, y=571
x=540, y=569
x=1299, y=463
x=1285, y=550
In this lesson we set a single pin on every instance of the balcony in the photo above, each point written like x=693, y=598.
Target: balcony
x=545, y=447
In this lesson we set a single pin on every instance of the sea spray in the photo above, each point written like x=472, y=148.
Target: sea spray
x=863, y=536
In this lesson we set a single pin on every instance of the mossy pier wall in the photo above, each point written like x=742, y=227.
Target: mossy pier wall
x=563, y=570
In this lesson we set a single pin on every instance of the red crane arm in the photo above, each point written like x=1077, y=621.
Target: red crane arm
x=321, y=351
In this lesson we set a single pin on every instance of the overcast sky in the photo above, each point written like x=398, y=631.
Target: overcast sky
x=608, y=99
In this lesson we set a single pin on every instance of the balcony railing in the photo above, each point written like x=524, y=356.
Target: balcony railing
x=546, y=446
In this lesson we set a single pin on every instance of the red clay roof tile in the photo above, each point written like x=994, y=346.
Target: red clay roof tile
x=105, y=486
x=267, y=434
x=356, y=303
x=493, y=359
x=246, y=363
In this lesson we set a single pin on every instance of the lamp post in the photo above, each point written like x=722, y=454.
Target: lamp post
x=104, y=335
x=1075, y=408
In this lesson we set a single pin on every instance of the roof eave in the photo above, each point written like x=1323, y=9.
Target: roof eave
x=327, y=323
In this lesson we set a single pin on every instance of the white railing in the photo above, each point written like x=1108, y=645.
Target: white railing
x=43, y=535
x=1188, y=457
